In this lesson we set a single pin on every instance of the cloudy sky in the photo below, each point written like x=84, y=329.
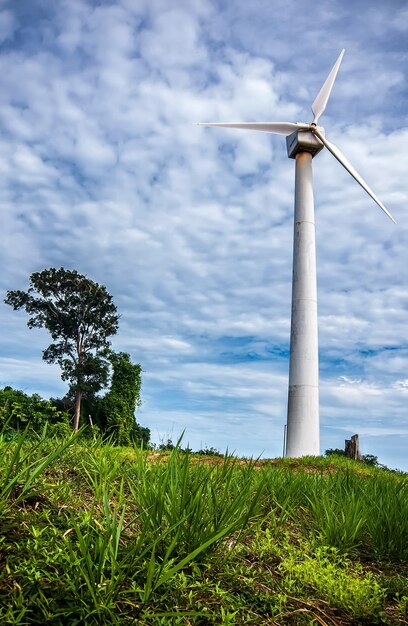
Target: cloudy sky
x=190, y=228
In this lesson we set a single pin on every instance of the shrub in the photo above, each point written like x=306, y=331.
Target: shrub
x=18, y=410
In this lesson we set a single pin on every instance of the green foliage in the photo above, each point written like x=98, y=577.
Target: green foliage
x=386, y=504
x=23, y=464
x=105, y=560
x=339, y=512
x=337, y=579
x=19, y=410
x=370, y=459
x=209, y=451
x=403, y=606
x=80, y=316
x=335, y=452
x=348, y=510
x=167, y=445
x=116, y=410
x=193, y=502
x=96, y=534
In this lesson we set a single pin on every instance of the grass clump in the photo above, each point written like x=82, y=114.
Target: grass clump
x=339, y=581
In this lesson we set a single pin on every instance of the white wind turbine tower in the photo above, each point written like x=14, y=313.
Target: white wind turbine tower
x=303, y=142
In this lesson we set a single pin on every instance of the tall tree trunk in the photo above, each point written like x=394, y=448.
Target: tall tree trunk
x=77, y=413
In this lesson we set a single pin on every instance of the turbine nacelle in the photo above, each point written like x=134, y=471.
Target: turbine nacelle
x=304, y=141
x=301, y=137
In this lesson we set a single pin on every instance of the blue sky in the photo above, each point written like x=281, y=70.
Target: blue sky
x=189, y=228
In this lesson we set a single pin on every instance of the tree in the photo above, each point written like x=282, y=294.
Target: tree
x=80, y=316
x=335, y=452
x=117, y=408
x=370, y=459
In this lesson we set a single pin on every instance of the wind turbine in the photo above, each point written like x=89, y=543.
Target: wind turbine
x=303, y=142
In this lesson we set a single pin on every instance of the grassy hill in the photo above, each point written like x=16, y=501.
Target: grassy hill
x=94, y=534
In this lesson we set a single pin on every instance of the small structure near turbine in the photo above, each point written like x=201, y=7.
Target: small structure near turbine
x=304, y=141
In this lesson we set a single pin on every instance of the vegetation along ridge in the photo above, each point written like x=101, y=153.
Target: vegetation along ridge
x=96, y=533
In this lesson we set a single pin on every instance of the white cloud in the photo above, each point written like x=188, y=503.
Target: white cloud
x=191, y=228
x=172, y=41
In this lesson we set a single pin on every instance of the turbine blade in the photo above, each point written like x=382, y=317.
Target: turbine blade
x=279, y=128
x=319, y=105
x=347, y=165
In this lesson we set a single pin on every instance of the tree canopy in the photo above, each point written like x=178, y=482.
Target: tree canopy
x=80, y=316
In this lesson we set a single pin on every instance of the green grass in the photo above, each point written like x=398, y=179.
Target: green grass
x=93, y=534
